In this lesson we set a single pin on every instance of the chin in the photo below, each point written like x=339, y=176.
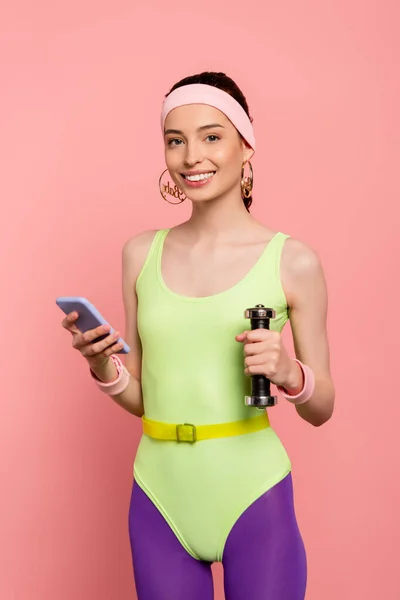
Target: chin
x=205, y=194
x=201, y=197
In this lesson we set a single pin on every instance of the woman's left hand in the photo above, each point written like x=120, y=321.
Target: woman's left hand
x=265, y=354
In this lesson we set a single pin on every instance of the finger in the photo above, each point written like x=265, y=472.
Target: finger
x=89, y=336
x=260, y=335
x=92, y=349
x=241, y=336
x=113, y=349
x=255, y=370
x=253, y=361
x=254, y=348
x=268, y=370
x=69, y=322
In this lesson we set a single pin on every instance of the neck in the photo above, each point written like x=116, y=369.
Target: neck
x=220, y=218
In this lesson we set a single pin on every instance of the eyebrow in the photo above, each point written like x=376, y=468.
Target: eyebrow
x=212, y=126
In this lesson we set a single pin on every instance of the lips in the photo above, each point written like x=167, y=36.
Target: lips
x=198, y=179
x=198, y=175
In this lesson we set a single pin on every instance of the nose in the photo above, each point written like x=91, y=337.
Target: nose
x=193, y=154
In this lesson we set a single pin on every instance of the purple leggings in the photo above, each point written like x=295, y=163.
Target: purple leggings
x=263, y=559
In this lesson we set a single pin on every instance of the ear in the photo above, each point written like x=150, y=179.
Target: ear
x=247, y=152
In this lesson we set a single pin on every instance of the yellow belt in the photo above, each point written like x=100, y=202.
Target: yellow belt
x=187, y=432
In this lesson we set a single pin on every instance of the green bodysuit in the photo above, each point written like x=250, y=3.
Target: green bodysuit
x=193, y=372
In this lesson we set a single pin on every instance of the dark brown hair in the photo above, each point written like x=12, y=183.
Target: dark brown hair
x=225, y=83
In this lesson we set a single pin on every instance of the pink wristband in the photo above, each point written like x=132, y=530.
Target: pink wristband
x=308, y=387
x=119, y=385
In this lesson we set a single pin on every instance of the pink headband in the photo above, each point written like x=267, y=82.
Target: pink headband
x=199, y=93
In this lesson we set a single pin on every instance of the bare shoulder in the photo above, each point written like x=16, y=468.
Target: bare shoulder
x=299, y=258
x=301, y=270
x=136, y=249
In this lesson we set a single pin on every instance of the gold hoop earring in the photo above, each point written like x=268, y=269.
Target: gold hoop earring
x=167, y=190
x=246, y=183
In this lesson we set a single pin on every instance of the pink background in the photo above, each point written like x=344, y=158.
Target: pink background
x=80, y=155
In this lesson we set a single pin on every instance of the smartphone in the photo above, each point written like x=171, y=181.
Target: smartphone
x=89, y=317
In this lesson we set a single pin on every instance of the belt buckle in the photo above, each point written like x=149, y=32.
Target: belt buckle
x=189, y=436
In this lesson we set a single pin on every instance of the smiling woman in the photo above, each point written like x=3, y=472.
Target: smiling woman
x=223, y=117
x=200, y=493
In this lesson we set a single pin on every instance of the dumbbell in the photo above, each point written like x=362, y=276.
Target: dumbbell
x=260, y=386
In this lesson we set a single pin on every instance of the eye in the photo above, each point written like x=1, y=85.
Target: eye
x=215, y=138
x=171, y=142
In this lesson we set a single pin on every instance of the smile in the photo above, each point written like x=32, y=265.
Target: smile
x=199, y=177
x=197, y=180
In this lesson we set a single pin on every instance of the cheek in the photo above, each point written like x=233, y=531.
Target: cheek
x=229, y=157
x=171, y=160
x=230, y=168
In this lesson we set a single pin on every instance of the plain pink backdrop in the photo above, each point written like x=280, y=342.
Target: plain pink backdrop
x=80, y=156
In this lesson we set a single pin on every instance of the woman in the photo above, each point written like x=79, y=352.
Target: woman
x=212, y=481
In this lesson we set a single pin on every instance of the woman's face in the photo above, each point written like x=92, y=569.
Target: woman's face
x=203, y=152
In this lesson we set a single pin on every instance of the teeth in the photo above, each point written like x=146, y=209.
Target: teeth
x=199, y=177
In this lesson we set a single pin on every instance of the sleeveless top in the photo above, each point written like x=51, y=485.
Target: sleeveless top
x=192, y=366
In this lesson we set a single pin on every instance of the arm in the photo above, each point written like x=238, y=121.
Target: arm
x=134, y=254
x=304, y=285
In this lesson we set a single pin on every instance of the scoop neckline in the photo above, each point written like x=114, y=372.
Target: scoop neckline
x=218, y=295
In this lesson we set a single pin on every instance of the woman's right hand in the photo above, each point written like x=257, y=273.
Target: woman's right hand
x=96, y=354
